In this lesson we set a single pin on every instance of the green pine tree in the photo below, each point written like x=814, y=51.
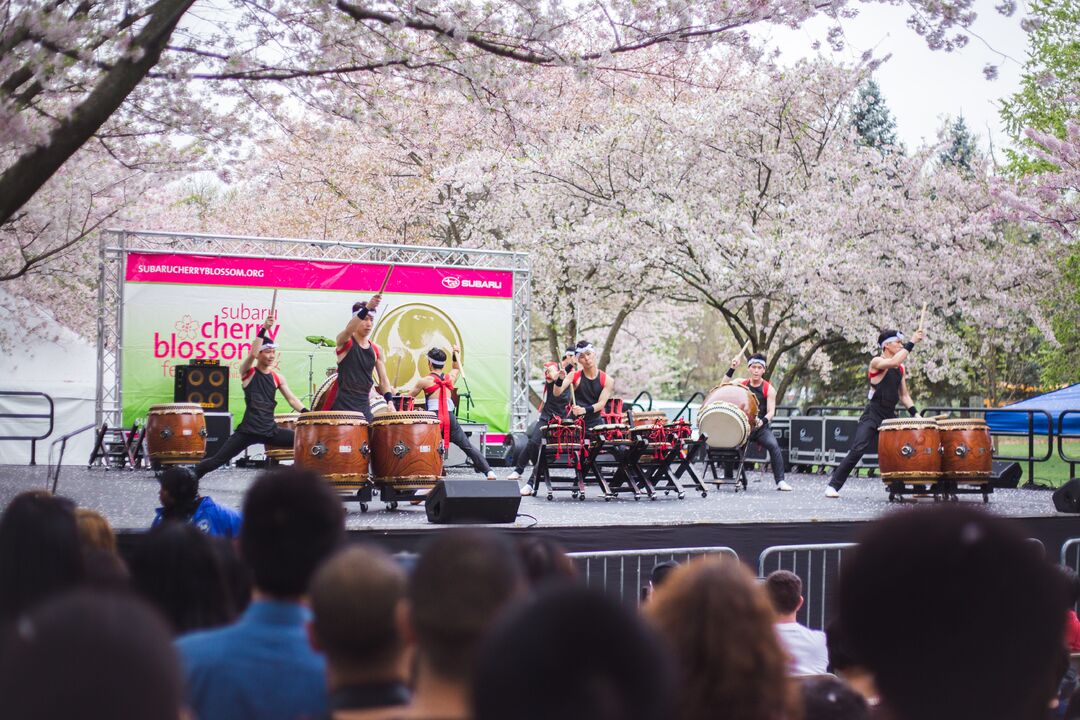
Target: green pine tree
x=961, y=150
x=872, y=119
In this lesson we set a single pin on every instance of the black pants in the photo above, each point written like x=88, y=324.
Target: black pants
x=358, y=404
x=535, y=434
x=237, y=442
x=763, y=436
x=866, y=436
x=459, y=438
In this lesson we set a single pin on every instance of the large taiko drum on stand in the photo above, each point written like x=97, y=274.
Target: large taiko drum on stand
x=176, y=433
x=335, y=445
x=406, y=450
x=285, y=421
x=728, y=415
x=966, y=450
x=909, y=450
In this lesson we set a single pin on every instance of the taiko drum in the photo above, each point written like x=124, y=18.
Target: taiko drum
x=966, y=450
x=176, y=433
x=909, y=449
x=335, y=445
x=650, y=417
x=285, y=421
x=727, y=416
x=406, y=450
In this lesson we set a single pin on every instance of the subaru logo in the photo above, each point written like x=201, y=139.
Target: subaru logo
x=836, y=435
x=451, y=282
x=803, y=435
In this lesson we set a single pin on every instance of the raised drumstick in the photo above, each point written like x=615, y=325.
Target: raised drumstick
x=745, y=347
x=385, y=280
x=273, y=303
x=922, y=318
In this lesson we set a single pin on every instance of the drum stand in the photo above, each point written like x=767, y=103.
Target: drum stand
x=716, y=456
x=621, y=459
x=551, y=455
x=940, y=490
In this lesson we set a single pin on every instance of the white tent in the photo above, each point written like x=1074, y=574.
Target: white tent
x=56, y=362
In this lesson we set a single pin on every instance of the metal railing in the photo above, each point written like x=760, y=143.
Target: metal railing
x=645, y=394
x=1031, y=458
x=626, y=572
x=1062, y=437
x=787, y=410
x=55, y=474
x=818, y=566
x=1070, y=554
x=686, y=407
x=50, y=416
x=833, y=409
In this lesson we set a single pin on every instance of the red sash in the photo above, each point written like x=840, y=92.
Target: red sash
x=447, y=387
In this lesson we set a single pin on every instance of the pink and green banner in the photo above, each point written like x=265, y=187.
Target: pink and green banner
x=179, y=308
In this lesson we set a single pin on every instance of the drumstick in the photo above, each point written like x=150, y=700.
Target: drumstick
x=922, y=317
x=273, y=303
x=385, y=280
x=745, y=347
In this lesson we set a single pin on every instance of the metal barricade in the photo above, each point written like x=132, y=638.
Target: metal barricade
x=626, y=572
x=29, y=416
x=1062, y=436
x=1070, y=554
x=818, y=566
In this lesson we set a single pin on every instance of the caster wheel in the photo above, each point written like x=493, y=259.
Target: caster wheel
x=682, y=496
x=574, y=494
x=704, y=493
x=581, y=496
x=392, y=505
x=636, y=498
x=550, y=496
x=667, y=492
x=363, y=507
x=653, y=498
x=607, y=498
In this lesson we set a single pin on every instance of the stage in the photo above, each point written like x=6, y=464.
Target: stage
x=747, y=521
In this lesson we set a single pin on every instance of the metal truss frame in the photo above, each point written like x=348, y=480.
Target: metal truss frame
x=116, y=244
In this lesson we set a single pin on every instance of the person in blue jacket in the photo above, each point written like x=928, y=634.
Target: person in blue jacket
x=180, y=501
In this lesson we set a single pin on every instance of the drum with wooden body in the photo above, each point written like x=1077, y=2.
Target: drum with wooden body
x=176, y=433
x=563, y=435
x=335, y=445
x=966, y=450
x=406, y=450
x=611, y=432
x=909, y=449
x=650, y=417
x=728, y=415
x=285, y=421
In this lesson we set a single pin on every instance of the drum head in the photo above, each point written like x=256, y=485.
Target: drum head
x=724, y=424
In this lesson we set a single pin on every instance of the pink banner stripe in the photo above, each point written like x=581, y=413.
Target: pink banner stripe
x=314, y=275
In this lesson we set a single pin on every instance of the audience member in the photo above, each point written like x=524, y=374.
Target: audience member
x=659, y=573
x=544, y=560
x=1072, y=624
x=176, y=569
x=180, y=501
x=603, y=662
x=263, y=666
x=95, y=533
x=828, y=698
x=40, y=554
x=461, y=582
x=805, y=647
x=844, y=664
x=356, y=599
x=956, y=616
x=237, y=573
x=92, y=656
x=718, y=622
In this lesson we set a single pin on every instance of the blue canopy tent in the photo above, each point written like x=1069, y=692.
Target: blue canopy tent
x=1054, y=403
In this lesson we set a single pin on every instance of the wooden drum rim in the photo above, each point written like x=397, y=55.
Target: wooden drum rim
x=176, y=409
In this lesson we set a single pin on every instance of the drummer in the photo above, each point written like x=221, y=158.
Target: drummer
x=437, y=387
x=552, y=406
x=261, y=385
x=762, y=434
x=592, y=386
x=887, y=386
x=358, y=360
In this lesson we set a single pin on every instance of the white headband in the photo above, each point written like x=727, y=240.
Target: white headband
x=756, y=361
x=583, y=350
x=897, y=336
x=268, y=345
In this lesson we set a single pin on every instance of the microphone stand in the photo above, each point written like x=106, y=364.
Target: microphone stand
x=467, y=397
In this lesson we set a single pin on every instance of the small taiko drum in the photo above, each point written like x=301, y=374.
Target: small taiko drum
x=966, y=450
x=565, y=434
x=727, y=415
x=285, y=421
x=650, y=417
x=335, y=445
x=406, y=450
x=176, y=433
x=611, y=432
x=909, y=450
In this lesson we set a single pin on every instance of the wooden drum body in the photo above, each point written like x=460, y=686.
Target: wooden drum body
x=335, y=445
x=727, y=416
x=650, y=417
x=406, y=452
x=285, y=421
x=176, y=433
x=966, y=450
x=909, y=449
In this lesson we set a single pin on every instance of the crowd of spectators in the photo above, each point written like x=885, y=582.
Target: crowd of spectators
x=941, y=613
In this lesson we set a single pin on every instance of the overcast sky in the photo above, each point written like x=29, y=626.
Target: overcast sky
x=922, y=86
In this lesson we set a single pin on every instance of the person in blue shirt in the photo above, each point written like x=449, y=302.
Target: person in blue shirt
x=180, y=501
x=263, y=667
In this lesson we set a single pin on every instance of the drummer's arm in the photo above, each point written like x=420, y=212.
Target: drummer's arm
x=384, y=378
x=286, y=393
x=256, y=345
x=883, y=363
x=415, y=389
x=456, y=370
x=770, y=407
x=605, y=395
x=562, y=385
x=354, y=323
x=905, y=398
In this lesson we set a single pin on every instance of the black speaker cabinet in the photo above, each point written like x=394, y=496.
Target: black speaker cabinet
x=206, y=385
x=473, y=501
x=218, y=429
x=1067, y=497
x=1005, y=474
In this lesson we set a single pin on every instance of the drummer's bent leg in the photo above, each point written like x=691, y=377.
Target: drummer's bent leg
x=532, y=449
x=282, y=437
x=865, y=438
x=764, y=437
x=458, y=437
x=232, y=447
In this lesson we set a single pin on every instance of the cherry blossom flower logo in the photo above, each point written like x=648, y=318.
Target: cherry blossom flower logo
x=185, y=327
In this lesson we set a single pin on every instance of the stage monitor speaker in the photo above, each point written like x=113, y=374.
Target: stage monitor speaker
x=840, y=434
x=218, y=429
x=206, y=385
x=1005, y=474
x=473, y=501
x=1067, y=497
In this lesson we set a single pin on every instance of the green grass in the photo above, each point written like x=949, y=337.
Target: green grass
x=1054, y=472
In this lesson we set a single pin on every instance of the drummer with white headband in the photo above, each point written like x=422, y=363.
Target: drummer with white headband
x=762, y=433
x=592, y=387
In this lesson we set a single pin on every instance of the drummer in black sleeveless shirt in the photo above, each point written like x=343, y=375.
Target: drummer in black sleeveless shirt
x=592, y=387
x=887, y=387
x=762, y=434
x=553, y=405
x=358, y=360
x=261, y=385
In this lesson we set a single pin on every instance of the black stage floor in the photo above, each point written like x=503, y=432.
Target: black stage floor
x=746, y=521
